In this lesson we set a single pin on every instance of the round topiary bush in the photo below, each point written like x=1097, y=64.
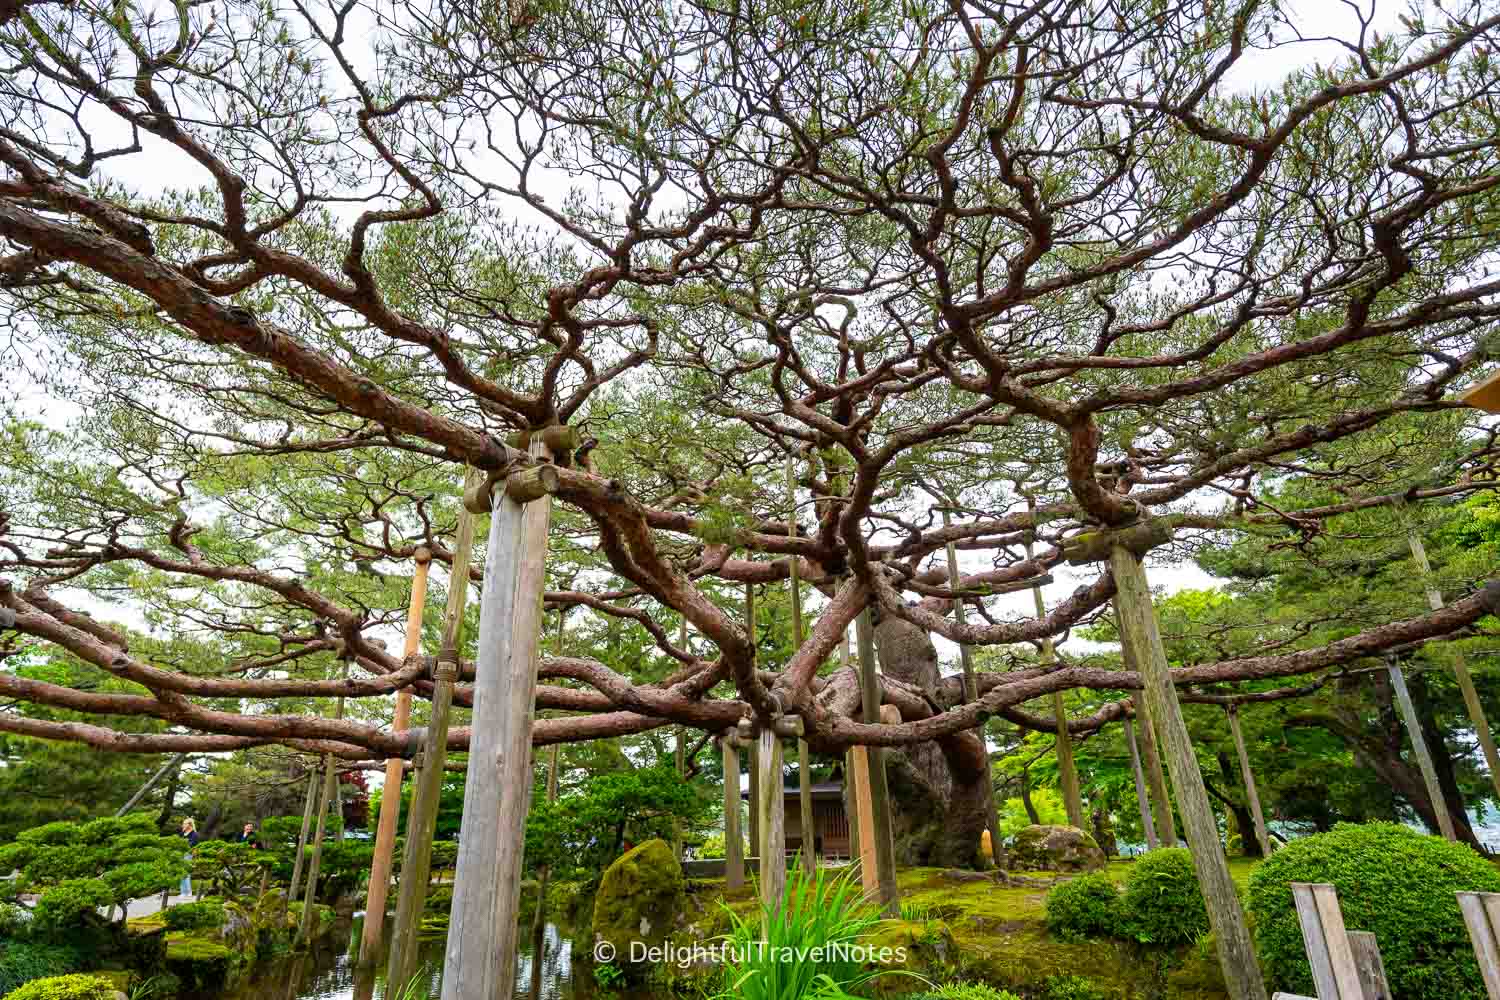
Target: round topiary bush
x=1391, y=880
x=72, y=902
x=1085, y=907
x=1162, y=904
x=205, y=914
x=74, y=987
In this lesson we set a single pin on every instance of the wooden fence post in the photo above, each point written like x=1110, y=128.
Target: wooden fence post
x=1227, y=918
x=879, y=816
x=1369, y=965
x=1141, y=800
x=421, y=822
x=390, y=797
x=1420, y=749
x=310, y=898
x=1262, y=836
x=1335, y=974
x=734, y=850
x=971, y=693
x=1481, y=912
x=484, y=925
x=1460, y=668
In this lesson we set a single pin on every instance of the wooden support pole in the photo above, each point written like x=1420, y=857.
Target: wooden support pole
x=971, y=693
x=1420, y=749
x=1067, y=769
x=1141, y=800
x=330, y=800
x=310, y=898
x=1461, y=673
x=1335, y=974
x=679, y=759
x=1252, y=795
x=390, y=796
x=1481, y=912
x=483, y=927
x=308, y=804
x=752, y=745
x=174, y=761
x=1156, y=778
x=1226, y=917
x=544, y=875
x=879, y=815
x=805, y=815
x=734, y=850
x=421, y=823
x=772, y=808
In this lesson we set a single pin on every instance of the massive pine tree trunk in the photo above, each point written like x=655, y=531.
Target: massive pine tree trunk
x=937, y=788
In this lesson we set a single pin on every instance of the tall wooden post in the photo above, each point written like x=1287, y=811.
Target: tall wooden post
x=879, y=815
x=1141, y=800
x=679, y=759
x=971, y=693
x=1067, y=769
x=483, y=927
x=421, y=823
x=1226, y=917
x=772, y=808
x=806, y=816
x=1420, y=749
x=734, y=850
x=1252, y=795
x=390, y=796
x=1156, y=779
x=330, y=786
x=1461, y=673
x=307, y=814
x=752, y=745
x=544, y=876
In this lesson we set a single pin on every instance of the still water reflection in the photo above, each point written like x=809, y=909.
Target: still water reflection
x=544, y=972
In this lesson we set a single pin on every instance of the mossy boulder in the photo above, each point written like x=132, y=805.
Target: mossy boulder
x=1055, y=849
x=640, y=899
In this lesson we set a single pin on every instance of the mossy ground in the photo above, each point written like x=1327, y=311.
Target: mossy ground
x=974, y=928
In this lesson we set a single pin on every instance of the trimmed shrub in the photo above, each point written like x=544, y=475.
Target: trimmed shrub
x=23, y=961
x=1162, y=904
x=74, y=987
x=50, y=834
x=72, y=902
x=1085, y=907
x=202, y=915
x=969, y=991
x=1073, y=988
x=1391, y=880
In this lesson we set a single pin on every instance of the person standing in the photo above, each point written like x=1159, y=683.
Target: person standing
x=247, y=836
x=189, y=833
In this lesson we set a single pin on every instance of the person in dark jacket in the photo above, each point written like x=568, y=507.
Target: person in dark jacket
x=247, y=836
x=189, y=833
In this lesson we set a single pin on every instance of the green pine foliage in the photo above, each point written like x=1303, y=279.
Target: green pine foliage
x=1391, y=880
x=197, y=915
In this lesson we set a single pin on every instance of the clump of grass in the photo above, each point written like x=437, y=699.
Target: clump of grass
x=800, y=948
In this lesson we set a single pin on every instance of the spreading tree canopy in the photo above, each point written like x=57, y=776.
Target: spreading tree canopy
x=273, y=273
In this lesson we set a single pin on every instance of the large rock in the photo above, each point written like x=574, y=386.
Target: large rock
x=1055, y=849
x=639, y=900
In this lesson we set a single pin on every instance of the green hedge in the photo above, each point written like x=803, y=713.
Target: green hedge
x=1162, y=904
x=1391, y=880
x=23, y=961
x=1084, y=907
x=74, y=987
